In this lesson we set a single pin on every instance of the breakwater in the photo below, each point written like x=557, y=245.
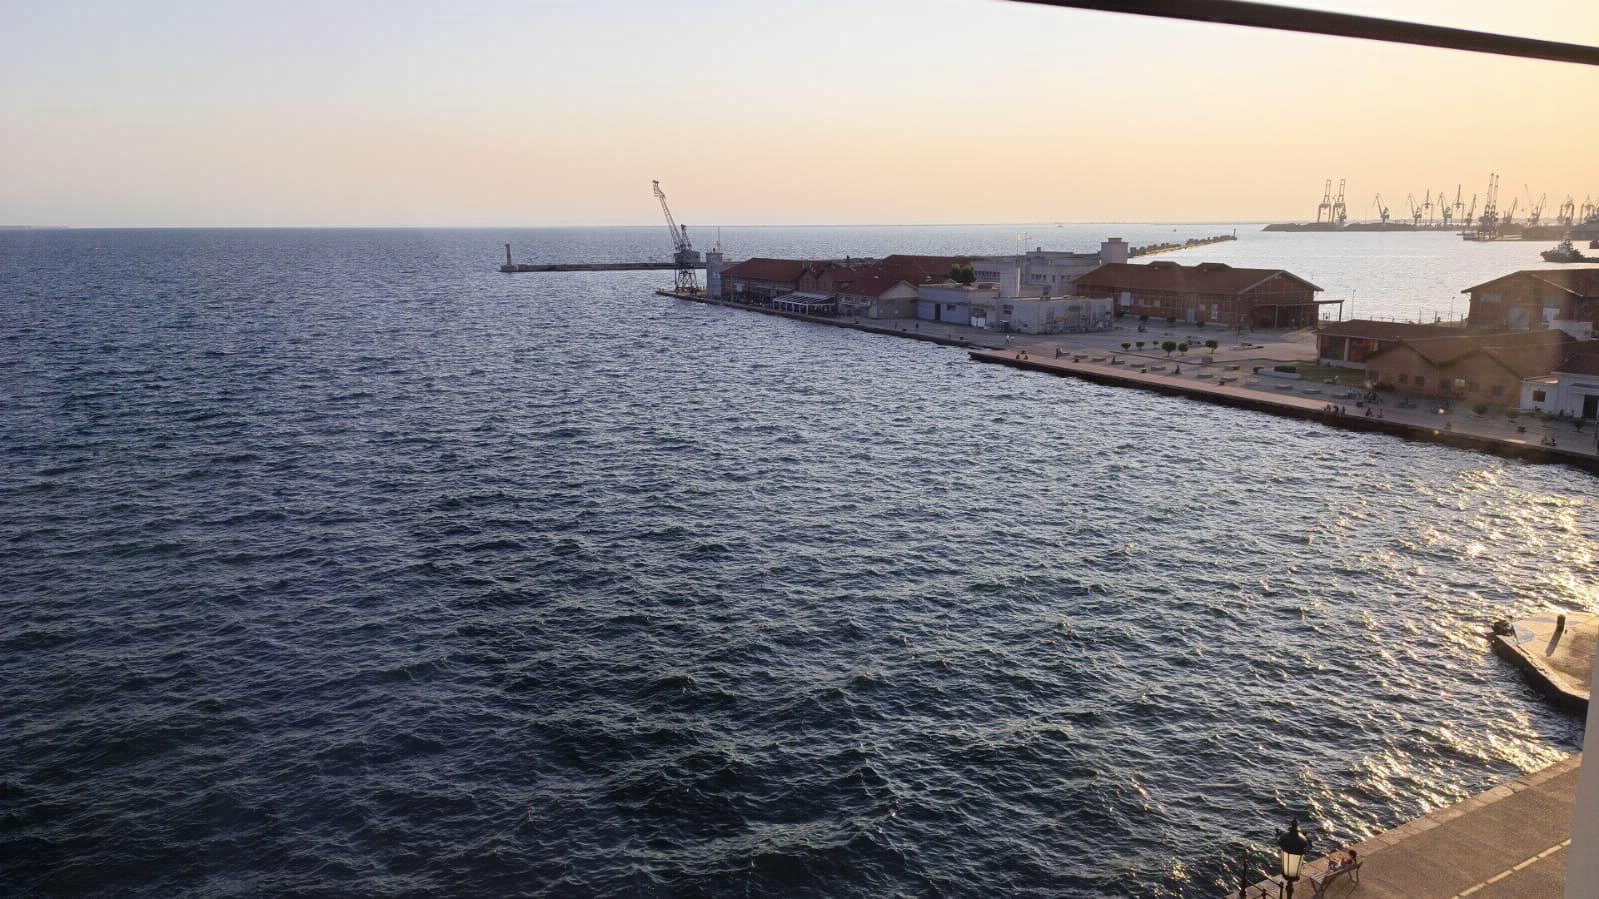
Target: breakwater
x=1152, y=249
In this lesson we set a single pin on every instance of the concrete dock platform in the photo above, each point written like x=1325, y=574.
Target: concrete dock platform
x=1557, y=660
x=1162, y=376
x=1510, y=842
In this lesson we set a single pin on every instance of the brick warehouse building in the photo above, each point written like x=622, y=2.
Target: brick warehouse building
x=1208, y=292
x=1536, y=298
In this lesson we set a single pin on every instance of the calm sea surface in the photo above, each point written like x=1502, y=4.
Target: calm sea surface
x=336, y=562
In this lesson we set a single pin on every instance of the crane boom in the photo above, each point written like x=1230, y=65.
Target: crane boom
x=683, y=252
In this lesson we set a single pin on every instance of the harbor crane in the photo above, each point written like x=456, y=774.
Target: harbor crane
x=1568, y=212
x=1460, y=208
x=1382, y=211
x=1537, y=208
x=1340, y=212
x=1510, y=217
x=1490, y=205
x=1426, y=204
x=1589, y=210
x=683, y=252
x=1445, y=210
x=1325, y=206
x=1415, y=210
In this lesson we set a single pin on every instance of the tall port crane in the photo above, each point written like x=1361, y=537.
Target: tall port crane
x=1460, y=208
x=1510, y=217
x=1325, y=206
x=1568, y=212
x=1415, y=210
x=683, y=252
x=1426, y=204
x=1445, y=210
x=1490, y=205
x=1589, y=210
x=1537, y=208
x=1340, y=212
x=1382, y=211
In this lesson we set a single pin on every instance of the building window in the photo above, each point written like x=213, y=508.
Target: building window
x=1421, y=381
x=1538, y=396
x=1404, y=379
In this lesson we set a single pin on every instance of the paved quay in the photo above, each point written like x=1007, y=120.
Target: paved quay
x=1299, y=399
x=1556, y=659
x=1510, y=842
x=1202, y=373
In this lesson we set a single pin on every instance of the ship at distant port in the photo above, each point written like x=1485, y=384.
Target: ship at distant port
x=1565, y=252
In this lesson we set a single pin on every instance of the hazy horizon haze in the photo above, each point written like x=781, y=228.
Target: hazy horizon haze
x=954, y=111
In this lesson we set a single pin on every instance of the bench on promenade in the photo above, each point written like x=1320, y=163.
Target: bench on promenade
x=1318, y=888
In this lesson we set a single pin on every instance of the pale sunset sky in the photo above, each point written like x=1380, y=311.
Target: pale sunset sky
x=904, y=111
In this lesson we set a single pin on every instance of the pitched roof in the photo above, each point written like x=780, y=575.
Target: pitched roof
x=1367, y=329
x=868, y=282
x=1206, y=277
x=1526, y=353
x=920, y=269
x=1580, y=282
x=762, y=269
x=1581, y=359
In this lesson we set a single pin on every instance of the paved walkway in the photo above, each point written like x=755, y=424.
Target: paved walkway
x=1307, y=399
x=1510, y=842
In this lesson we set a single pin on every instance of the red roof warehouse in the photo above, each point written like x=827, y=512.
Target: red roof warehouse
x=1208, y=292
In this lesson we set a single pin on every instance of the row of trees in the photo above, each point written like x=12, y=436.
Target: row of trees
x=1169, y=346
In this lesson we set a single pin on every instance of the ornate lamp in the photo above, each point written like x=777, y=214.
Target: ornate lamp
x=1294, y=845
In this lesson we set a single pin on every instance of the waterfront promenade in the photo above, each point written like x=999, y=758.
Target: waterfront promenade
x=1510, y=842
x=1227, y=376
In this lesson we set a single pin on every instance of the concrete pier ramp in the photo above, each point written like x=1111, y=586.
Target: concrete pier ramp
x=1556, y=655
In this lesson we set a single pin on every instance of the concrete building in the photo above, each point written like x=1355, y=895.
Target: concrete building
x=1571, y=389
x=1470, y=366
x=1208, y=292
x=1350, y=343
x=714, y=266
x=1564, y=298
x=956, y=304
x=1056, y=315
x=1040, y=272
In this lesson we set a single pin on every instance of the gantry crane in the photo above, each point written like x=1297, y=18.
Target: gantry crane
x=1340, y=212
x=683, y=252
x=1325, y=206
x=1568, y=212
x=1490, y=204
x=1445, y=210
x=1382, y=211
x=1426, y=204
x=1537, y=208
x=1415, y=210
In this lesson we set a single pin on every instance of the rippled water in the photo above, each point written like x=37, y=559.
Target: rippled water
x=338, y=562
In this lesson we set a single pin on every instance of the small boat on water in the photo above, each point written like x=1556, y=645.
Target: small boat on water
x=1564, y=252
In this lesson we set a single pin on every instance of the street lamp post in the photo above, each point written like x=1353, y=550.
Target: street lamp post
x=1293, y=845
